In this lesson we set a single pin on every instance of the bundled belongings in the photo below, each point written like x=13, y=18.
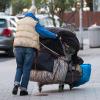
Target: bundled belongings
x=57, y=61
x=70, y=39
x=58, y=75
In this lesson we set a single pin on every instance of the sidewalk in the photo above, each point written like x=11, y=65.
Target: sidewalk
x=88, y=91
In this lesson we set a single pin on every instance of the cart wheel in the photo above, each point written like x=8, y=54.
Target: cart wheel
x=61, y=87
x=40, y=87
x=70, y=86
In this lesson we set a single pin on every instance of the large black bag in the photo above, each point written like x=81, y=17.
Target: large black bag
x=44, y=61
x=45, y=58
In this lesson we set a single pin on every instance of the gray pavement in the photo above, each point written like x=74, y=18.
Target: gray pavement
x=88, y=91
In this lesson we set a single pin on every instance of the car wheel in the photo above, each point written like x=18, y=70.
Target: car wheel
x=10, y=53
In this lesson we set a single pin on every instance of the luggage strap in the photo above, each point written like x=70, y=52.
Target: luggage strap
x=53, y=52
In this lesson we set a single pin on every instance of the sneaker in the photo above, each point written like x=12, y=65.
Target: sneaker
x=23, y=93
x=15, y=90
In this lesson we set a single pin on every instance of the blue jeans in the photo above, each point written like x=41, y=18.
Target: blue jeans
x=24, y=60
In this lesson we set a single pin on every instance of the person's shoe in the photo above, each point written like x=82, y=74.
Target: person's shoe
x=15, y=90
x=23, y=93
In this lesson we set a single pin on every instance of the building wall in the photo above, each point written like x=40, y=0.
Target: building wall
x=89, y=18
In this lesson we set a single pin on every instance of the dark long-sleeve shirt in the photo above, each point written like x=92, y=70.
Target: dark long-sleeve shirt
x=44, y=32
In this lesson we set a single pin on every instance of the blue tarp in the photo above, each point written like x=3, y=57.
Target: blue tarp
x=86, y=72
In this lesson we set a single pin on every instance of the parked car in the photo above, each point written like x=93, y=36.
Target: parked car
x=7, y=31
x=46, y=20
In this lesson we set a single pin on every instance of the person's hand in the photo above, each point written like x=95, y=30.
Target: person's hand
x=58, y=36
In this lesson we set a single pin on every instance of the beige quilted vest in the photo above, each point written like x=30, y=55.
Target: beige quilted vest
x=26, y=36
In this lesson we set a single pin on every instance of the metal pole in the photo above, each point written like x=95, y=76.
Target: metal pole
x=81, y=26
x=33, y=2
x=10, y=9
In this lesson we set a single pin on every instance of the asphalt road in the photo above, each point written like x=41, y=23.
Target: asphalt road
x=88, y=91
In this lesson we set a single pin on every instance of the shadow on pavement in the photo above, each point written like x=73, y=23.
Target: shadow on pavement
x=74, y=90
